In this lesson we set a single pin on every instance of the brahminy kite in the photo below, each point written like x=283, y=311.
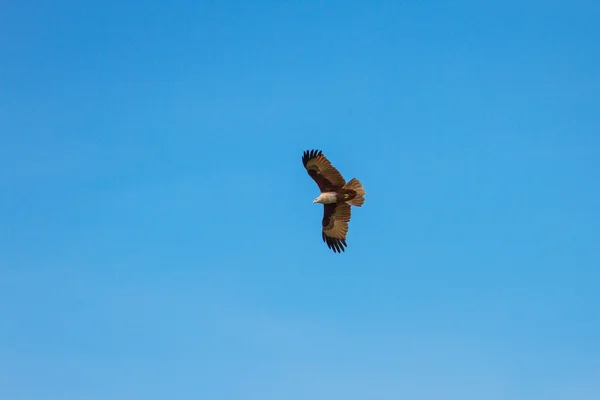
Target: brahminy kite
x=336, y=196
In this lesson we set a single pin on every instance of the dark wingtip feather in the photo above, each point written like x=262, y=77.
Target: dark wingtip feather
x=309, y=155
x=337, y=245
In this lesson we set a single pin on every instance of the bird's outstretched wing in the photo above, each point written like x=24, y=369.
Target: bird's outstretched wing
x=320, y=169
x=335, y=225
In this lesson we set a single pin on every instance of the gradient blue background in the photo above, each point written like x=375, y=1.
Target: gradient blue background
x=158, y=239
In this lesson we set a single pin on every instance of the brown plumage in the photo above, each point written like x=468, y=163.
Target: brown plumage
x=336, y=196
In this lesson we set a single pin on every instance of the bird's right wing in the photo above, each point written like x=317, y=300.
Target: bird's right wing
x=335, y=225
x=320, y=169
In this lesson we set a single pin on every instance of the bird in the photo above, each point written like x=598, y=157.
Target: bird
x=337, y=197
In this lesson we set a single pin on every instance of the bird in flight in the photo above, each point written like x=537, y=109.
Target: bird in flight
x=336, y=196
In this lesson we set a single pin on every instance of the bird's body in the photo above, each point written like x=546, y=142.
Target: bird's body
x=336, y=196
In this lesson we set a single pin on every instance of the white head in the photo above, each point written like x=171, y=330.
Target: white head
x=326, y=198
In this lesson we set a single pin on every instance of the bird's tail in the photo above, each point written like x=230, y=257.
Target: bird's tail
x=355, y=185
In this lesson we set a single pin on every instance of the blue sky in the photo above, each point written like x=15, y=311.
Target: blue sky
x=158, y=234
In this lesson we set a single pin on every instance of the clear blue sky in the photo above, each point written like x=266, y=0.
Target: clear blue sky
x=158, y=238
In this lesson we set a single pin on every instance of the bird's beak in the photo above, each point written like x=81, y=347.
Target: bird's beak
x=314, y=201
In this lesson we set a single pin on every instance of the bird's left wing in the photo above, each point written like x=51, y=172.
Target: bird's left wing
x=320, y=169
x=335, y=225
